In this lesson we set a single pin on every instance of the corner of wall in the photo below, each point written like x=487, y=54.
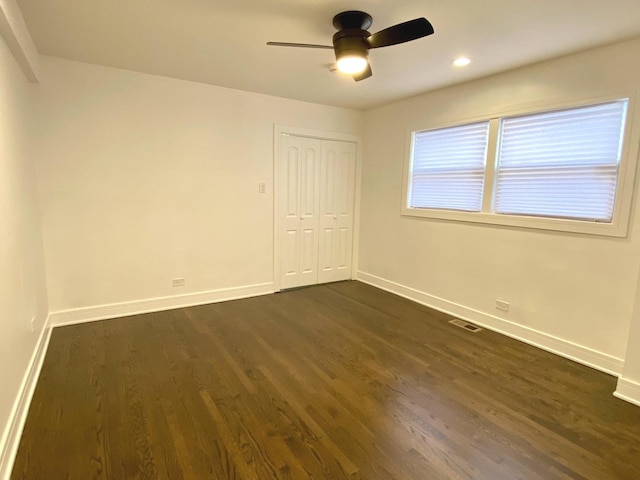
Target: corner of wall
x=13, y=432
x=15, y=32
x=628, y=390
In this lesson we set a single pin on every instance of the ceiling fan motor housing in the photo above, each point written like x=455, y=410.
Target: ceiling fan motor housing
x=351, y=41
x=352, y=32
x=351, y=20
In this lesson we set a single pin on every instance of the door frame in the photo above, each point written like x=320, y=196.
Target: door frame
x=280, y=130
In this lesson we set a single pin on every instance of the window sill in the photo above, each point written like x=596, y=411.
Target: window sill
x=613, y=229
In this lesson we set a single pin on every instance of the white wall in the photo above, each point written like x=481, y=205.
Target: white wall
x=571, y=293
x=628, y=387
x=144, y=179
x=22, y=287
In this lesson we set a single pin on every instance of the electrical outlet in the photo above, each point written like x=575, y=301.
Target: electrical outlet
x=262, y=187
x=502, y=305
x=179, y=282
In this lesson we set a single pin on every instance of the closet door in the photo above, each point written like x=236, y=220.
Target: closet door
x=299, y=178
x=337, y=192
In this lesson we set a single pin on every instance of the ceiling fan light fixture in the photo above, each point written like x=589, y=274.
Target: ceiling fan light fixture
x=352, y=62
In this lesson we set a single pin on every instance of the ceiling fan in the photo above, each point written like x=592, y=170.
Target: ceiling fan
x=352, y=41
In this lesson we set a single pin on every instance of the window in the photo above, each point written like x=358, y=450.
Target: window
x=561, y=170
x=561, y=164
x=448, y=167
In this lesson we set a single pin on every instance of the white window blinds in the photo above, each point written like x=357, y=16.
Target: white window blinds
x=448, y=165
x=561, y=164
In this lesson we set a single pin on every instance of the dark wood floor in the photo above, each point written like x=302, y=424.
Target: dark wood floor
x=328, y=382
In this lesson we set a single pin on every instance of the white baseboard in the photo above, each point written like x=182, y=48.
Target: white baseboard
x=578, y=353
x=628, y=390
x=13, y=432
x=114, y=310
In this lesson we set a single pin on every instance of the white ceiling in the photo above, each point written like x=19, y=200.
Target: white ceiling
x=222, y=42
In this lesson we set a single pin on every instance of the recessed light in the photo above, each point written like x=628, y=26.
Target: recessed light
x=461, y=61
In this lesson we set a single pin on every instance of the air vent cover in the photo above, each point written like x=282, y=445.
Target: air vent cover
x=466, y=325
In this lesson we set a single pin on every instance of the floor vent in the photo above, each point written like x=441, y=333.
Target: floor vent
x=465, y=325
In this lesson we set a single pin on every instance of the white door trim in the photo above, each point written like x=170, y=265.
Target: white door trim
x=321, y=135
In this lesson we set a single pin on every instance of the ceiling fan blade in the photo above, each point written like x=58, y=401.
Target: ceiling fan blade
x=300, y=45
x=364, y=74
x=401, y=33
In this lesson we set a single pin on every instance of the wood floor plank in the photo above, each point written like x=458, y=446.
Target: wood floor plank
x=337, y=381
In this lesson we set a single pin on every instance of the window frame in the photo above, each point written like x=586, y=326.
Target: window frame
x=619, y=225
